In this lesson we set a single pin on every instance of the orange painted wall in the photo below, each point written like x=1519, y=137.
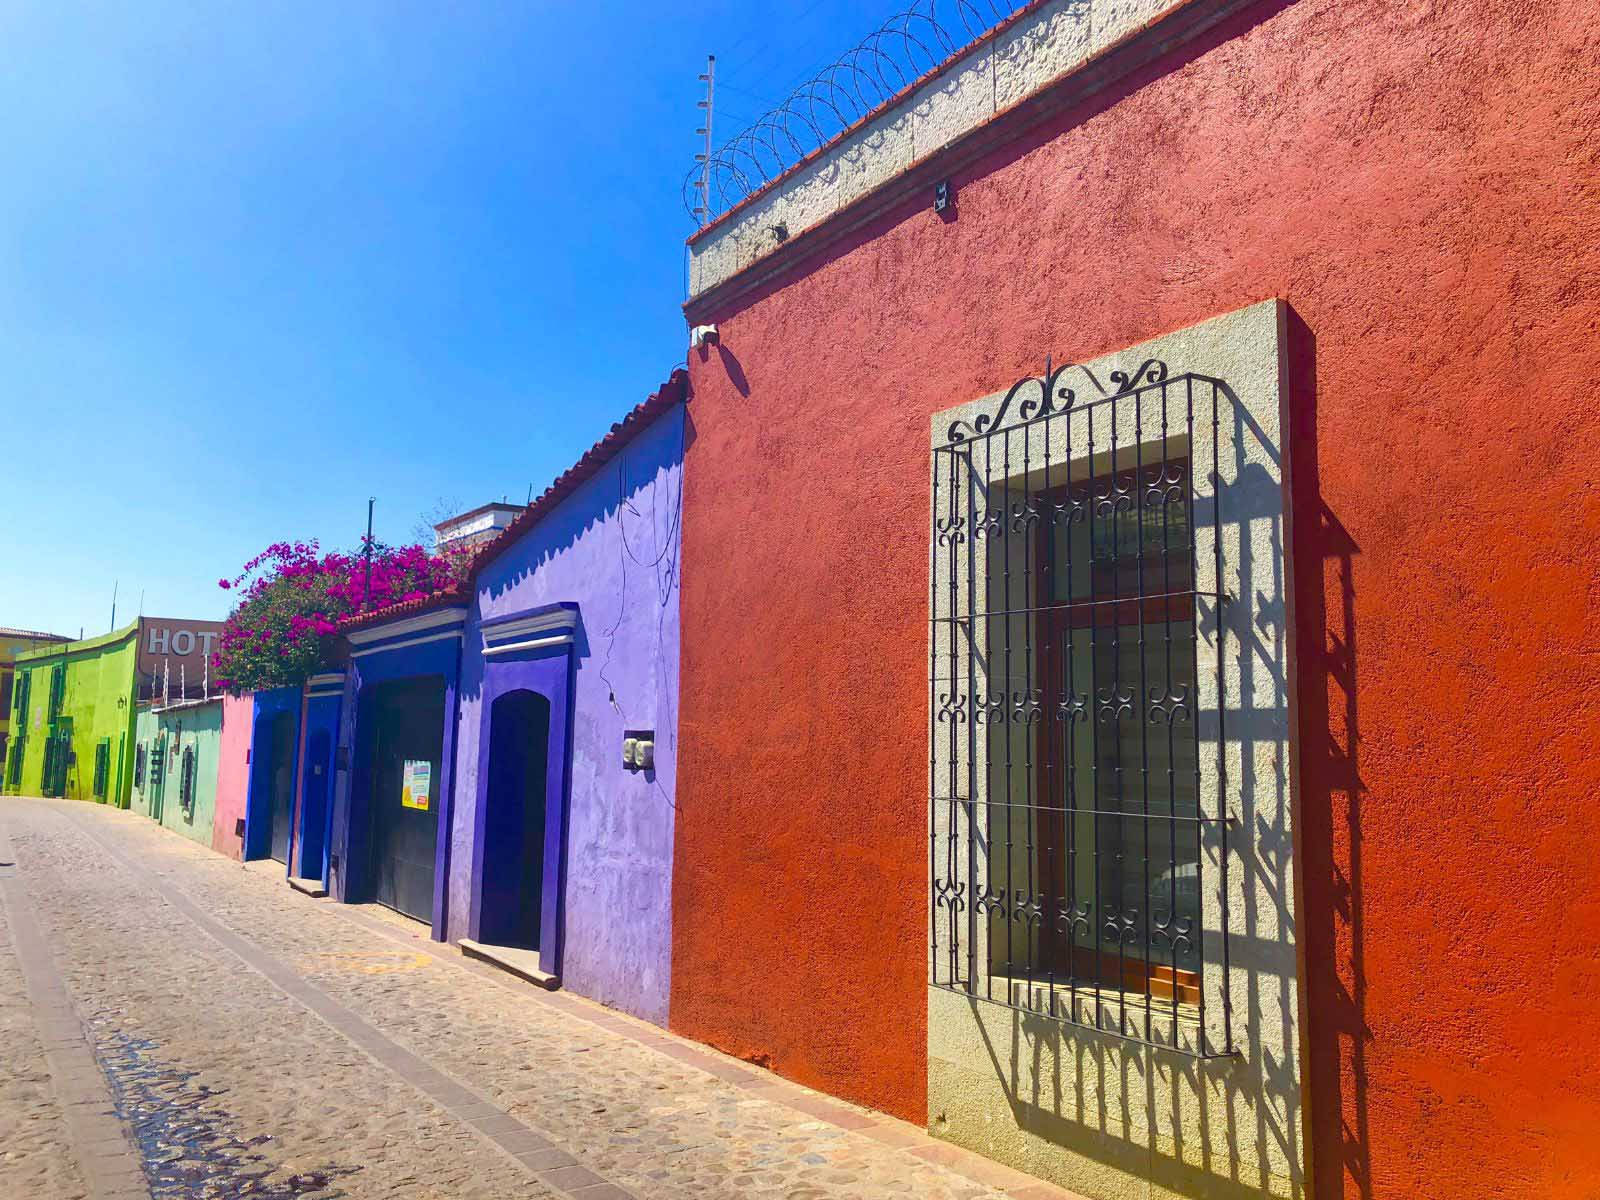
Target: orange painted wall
x=1421, y=182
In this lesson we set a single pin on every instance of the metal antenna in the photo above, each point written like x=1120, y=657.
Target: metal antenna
x=703, y=186
x=114, y=586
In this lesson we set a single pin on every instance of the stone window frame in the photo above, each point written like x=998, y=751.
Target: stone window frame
x=1253, y=978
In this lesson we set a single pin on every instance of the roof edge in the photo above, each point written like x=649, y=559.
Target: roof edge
x=674, y=391
x=1176, y=26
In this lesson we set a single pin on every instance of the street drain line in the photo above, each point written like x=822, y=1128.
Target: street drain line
x=186, y=1144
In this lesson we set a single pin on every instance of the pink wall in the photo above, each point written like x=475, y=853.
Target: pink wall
x=233, y=774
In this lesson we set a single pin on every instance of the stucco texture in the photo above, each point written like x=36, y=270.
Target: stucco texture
x=233, y=774
x=1420, y=182
x=97, y=704
x=611, y=548
x=1106, y=1116
x=192, y=727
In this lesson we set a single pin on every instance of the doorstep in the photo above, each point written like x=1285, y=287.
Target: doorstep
x=311, y=887
x=524, y=964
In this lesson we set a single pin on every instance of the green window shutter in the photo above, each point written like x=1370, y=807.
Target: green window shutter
x=102, y=767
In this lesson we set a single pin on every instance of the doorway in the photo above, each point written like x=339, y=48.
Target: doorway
x=512, y=895
x=314, y=805
x=280, y=780
x=407, y=754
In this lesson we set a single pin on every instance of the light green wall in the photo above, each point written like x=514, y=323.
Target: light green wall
x=97, y=704
x=173, y=731
x=145, y=794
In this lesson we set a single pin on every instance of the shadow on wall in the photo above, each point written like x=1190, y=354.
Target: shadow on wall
x=631, y=498
x=1330, y=804
x=1236, y=1126
x=649, y=515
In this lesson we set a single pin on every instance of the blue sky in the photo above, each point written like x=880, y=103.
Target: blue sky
x=259, y=262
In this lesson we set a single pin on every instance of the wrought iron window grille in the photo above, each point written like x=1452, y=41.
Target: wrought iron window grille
x=1078, y=854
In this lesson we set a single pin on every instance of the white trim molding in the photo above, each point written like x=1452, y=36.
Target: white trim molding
x=438, y=619
x=552, y=627
x=437, y=626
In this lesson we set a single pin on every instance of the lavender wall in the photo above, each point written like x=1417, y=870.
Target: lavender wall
x=611, y=548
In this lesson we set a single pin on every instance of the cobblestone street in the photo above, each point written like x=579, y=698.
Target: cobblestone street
x=174, y=1024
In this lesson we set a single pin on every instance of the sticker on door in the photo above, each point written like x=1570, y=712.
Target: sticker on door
x=414, y=781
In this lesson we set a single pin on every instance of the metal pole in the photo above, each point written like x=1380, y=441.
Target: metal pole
x=366, y=591
x=704, y=184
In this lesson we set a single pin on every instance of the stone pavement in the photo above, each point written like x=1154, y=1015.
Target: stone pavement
x=174, y=1024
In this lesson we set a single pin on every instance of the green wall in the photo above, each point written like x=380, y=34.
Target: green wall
x=164, y=739
x=95, y=711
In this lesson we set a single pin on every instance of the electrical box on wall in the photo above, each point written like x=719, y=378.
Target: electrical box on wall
x=639, y=749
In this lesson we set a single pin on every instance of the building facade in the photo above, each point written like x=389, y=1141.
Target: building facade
x=273, y=775
x=72, y=717
x=233, y=775
x=476, y=528
x=571, y=642
x=12, y=643
x=512, y=746
x=176, y=760
x=311, y=853
x=1130, y=744
x=397, y=733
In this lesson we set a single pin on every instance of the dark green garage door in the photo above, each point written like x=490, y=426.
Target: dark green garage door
x=407, y=750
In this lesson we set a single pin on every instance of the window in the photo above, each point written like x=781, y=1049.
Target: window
x=58, y=757
x=158, y=762
x=186, y=784
x=138, y=766
x=20, y=699
x=58, y=691
x=6, y=683
x=1114, y=832
x=102, y=765
x=1075, y=739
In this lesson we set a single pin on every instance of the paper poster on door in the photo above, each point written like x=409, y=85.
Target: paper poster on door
x=414, y=779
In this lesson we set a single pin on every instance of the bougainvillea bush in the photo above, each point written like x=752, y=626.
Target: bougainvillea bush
x=292, y=597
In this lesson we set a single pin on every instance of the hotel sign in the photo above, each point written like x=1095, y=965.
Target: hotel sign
x=175, y=651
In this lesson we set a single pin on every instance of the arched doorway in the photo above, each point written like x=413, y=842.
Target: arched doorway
x=511, y=902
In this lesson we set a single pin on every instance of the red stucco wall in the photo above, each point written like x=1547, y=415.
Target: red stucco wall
x=1421, y=182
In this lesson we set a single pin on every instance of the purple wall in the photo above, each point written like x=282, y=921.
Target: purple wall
x=611, y=549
